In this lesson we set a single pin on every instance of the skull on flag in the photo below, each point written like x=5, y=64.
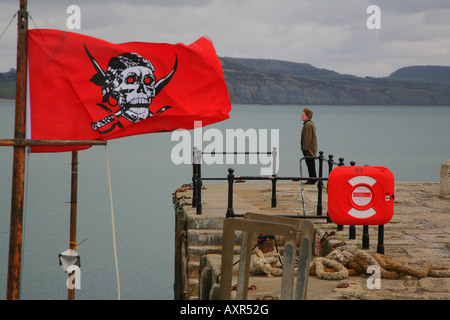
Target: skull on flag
x=130, y=83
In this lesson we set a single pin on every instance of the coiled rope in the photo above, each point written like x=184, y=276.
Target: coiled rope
x=343, y=263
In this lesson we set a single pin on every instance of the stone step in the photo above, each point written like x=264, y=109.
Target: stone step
x=195, y=252
x=208, y=237
x=202, y=222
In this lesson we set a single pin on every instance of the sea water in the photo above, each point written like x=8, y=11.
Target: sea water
x=411, y=141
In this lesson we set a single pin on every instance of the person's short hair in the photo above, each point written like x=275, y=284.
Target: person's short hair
x=308, y=113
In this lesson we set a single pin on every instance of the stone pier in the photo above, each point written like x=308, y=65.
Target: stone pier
x=419, y=232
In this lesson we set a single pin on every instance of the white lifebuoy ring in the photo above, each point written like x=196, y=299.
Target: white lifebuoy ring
x=361, y=196
x=362, y=180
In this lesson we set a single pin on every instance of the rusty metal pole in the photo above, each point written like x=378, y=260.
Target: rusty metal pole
x=15, y=233
x=73, y=214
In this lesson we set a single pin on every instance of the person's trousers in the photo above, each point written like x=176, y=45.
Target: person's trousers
x=311, y=164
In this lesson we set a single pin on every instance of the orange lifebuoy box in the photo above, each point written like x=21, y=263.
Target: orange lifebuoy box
x=360, y=195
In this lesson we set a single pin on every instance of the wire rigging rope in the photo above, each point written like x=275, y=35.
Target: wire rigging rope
x=112, y=222
x=7, y=26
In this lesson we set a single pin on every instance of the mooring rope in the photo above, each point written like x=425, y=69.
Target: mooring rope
x=346, y=263
x=112, y=222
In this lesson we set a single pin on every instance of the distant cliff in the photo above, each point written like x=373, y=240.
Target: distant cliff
x=262, y=81
x=266, y=81
x=430, y=74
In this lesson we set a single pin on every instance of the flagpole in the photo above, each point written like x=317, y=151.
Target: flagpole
x=49, y=143
x=15, y=237
x=20, y=143
x=73, y=215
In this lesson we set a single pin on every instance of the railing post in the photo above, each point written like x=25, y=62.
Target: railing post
x=274, y=176
x=274, y=160
x=365, y=237
x=274, y=191
x=320, y=185
x=352, y=228
x=199, y=181
x=230, y=212
x=352, y=232
x=199, y=194
x=194, y=177
x=330, y=168
x=330, y=163
x=380, y=246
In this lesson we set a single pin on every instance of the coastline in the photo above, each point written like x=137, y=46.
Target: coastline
x=314, y=105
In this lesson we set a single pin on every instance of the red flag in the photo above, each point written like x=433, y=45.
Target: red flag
x=82, y=88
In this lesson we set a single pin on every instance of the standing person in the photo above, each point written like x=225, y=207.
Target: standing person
x=309, y=143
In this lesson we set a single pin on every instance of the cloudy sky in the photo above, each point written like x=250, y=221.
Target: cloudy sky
x=330, y=34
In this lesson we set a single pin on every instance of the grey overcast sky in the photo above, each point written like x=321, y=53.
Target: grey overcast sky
x=330, y=34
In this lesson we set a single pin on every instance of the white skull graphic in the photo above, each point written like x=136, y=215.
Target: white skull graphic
x=130, y=81
x=134, y=89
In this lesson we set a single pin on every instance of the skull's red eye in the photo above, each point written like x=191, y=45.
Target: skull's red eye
x=147, y=80
x=130, y=80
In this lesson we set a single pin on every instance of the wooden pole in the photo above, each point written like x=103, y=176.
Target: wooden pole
x=15, y=235
x=73, y=214
x=20, y=143
x=53, y=143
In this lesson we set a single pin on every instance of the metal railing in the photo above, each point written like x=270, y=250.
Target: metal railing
x=197, y=180
x=197, y=183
